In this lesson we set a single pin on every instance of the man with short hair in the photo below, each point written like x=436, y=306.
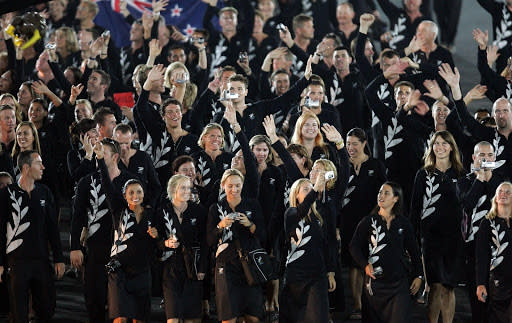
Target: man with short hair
x=86, y=11
x=138, y=163
x=105, y=122
x=226, y=46
x=97, y=86
x=304, y=31
x=7, y=127
x=28, y=226
x=134, y=54
x=91, y=230
x=475, y=192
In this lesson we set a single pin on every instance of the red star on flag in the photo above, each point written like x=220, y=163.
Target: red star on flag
x=176, y=11
x=189, y=30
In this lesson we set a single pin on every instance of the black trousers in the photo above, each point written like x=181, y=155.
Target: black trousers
x=35, y=276
x=478, y=309
x=448, y=14
x=96, y=282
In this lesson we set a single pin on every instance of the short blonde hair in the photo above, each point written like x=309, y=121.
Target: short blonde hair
x=174, y=182
x=231, y=172
x=493, y=213
x=171, y=68
x=209, y=127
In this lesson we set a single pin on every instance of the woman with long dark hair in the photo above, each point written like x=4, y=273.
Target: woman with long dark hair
x=366, y=176
x=436, y=214
x=379, y=246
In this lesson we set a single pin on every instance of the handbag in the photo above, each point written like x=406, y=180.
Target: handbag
x=256, y=264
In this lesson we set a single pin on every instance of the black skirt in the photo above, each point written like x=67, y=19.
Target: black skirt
x=129, y=294
x=443, y=267
x=387, y=301
x=182, y=296
x=304, y=302
x=234, y=297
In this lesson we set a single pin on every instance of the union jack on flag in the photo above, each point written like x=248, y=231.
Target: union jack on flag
x=187, y=15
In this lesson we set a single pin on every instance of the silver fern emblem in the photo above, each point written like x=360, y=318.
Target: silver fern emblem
x=204, y=170
x=429, y=199
x=17, y=228
x=498, y=245
x=475, y=217
x=348, y=191
x=227, y=234
x=335, y=92
x=502, y=31
x=375, y=238
x=147, y=146
x=383, y=93
x=398, y=28
x=232, y=143
x=169, y=229
x=94, y=214
x=496, y=143
x=218, y=55
x=389, y=139
x=301, y=241
x=161, y=151
x=121, y=235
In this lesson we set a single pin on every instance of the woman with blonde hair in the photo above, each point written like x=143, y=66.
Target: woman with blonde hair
x=211, y=160
x=494, y=255
x=181, y=225
x=26, y=139
x=310, y=265
x=9, y=99
x=307, y=133
x=67, y=49
x=177, y=80
x=436, y=214
x=235, y=223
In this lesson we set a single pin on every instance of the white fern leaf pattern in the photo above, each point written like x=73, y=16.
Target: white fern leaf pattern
x=95, y=212
x=502, y=31
x=204, y=170
x=147, y=147
x=348, y=191
x=17, y=228
x=476, y=216
x=161, y=151
x=375, y=246
x=496, y=143
x=169, y=229
x=302, y=240
x=121, y=235
x=335, y=92
x=497, y=246
x=389, y=139
x=227, y=234
x=396, y=32
x=218, y=56
x=429, y=199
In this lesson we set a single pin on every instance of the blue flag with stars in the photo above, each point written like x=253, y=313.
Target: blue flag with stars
x=187, y=15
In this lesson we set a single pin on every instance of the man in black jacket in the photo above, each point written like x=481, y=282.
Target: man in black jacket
x=28, y=225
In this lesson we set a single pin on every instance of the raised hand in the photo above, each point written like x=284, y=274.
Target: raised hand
x=230, y=113
x=309, y=70
x=87, y=145
x=159, y=6
x=155, y=75
x=481, y=38
x=270, y=128
x=476, y=93
x=492, y=54
x=99, y=150
x=76, y=90
x=396, y=69
x=286, y=37
x=434, y=91
x=414, y=46
x=452, y=77
x=331, y=133
x=40, y=88
x=366, y=20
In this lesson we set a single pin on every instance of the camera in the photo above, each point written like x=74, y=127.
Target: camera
x=232, y=215
x=486, y=164
x=112, y=266
x=329, y=175
x=183, y=80
x=105, y=34
x=242, y=56
x=311, y=103
x=229, y=96
x=199, y=40
x=378, y=272
x=281, y=27
x=50, y=46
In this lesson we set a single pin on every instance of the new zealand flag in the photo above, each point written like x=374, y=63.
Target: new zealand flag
x=187, y=15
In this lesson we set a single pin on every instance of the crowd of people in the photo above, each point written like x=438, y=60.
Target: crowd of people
x=252, y=164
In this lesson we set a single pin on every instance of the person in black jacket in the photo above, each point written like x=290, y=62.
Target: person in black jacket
x=311, y=260
x=91, y=229
x=182, y=225
x=235, y=223
x=436, y=215
x=379, y=246
x=80, y=159
x=493, y=254
x=29, y=224
x=129, y=275
x=475, y=191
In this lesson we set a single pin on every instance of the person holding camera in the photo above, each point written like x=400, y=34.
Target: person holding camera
x=235, y=226
x=379, y=245
x=310, y=236
x=475, y=191
x=182, y=226
x=129, y=274
x=493, y=255
x=91, y=228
